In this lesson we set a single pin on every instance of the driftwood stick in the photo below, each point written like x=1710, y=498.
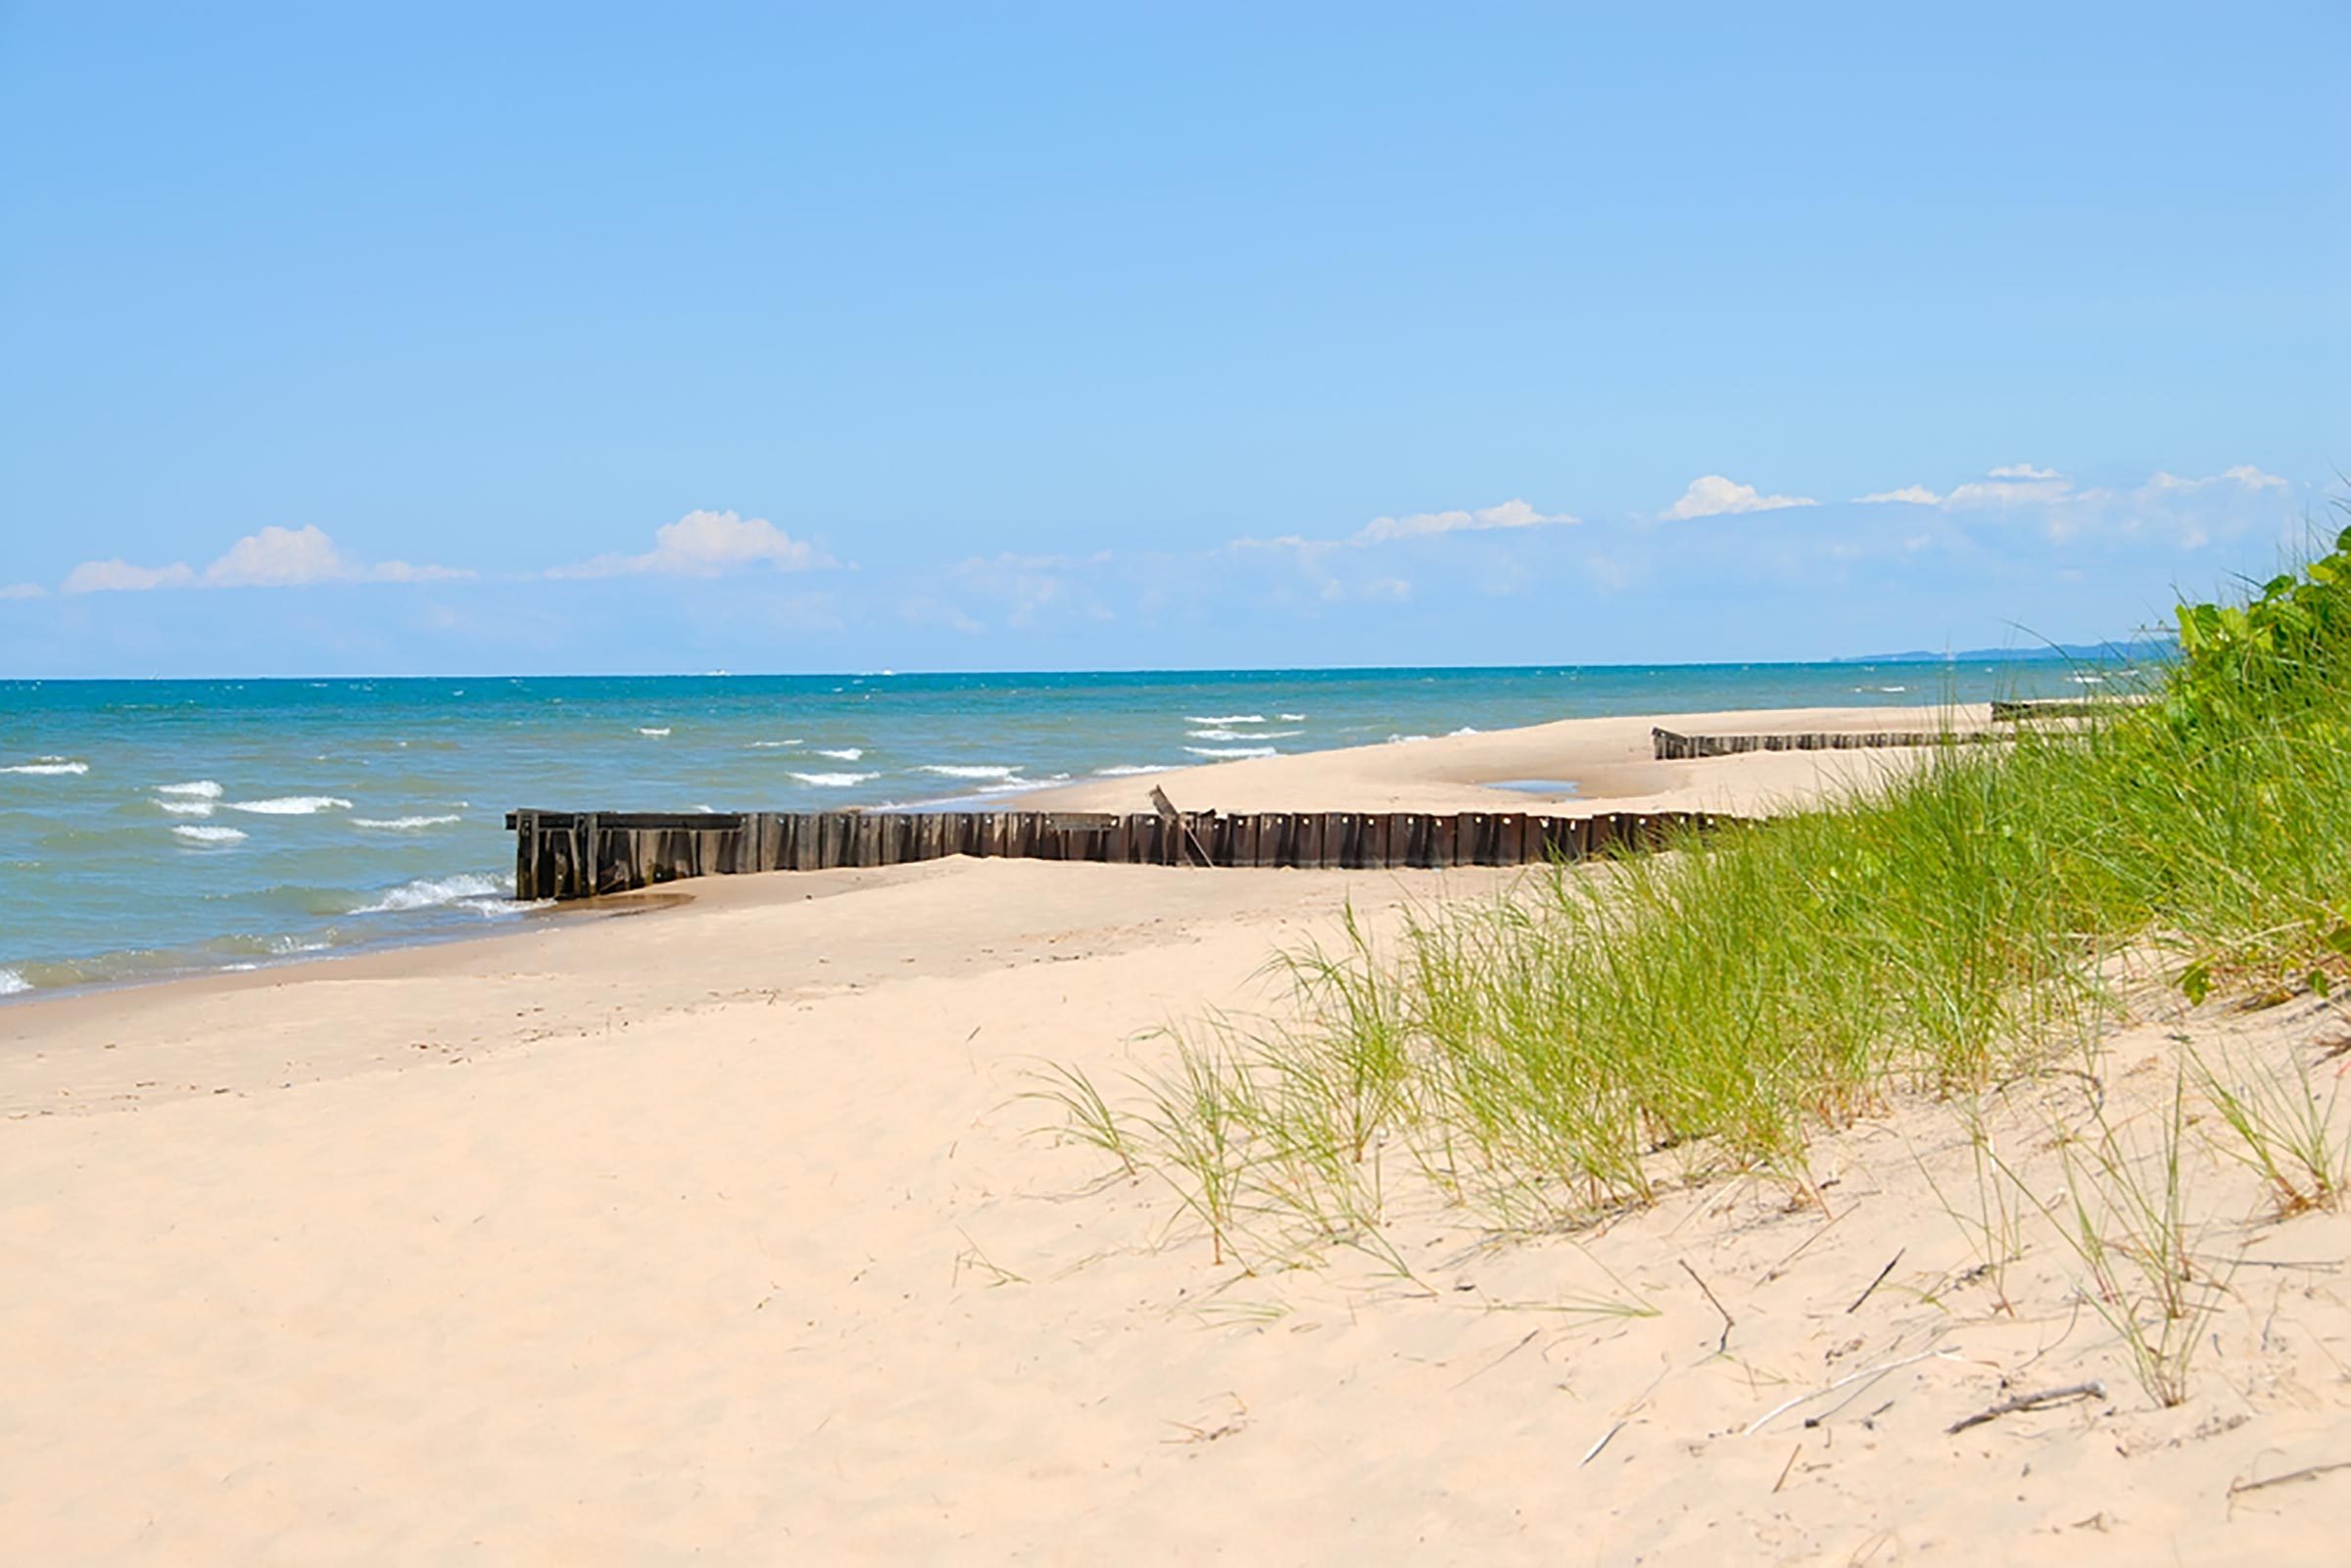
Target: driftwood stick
x=2092, y=1390
x=2309, y=1472
x=1875, y=1283
x=1722, y=1347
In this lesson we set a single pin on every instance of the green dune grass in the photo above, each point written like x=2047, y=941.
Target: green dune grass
x=1561, y=1050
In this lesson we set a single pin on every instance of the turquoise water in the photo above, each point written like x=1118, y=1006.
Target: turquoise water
x=151, y=828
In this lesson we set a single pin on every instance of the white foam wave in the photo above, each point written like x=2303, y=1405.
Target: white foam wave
x=1293, y=718
x=1466, y=729
x=1405, y=739
x=954, y=769
x=2087, y=680
x=1231, y=751
x=49, y=766
x=843, y=753
x=199, y=789
x=655, y=734
x=209, y=836
x=11, y=983
x=290, y=946
x=1243, y=735
x=1223, y=718
x=431, y=892
x=836, y=781
x=1130, y=770
x=404, y=823
x=290, y=805
x=187, y=808
x=772, y=746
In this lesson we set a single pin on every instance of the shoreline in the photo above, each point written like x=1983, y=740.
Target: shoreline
x=1607, y=759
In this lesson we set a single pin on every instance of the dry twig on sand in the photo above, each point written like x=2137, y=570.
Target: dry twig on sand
x=2309, y=1472
x=2041, y=1400
x=1722, y=1347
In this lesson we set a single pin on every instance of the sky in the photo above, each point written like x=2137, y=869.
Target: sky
x=481, y=339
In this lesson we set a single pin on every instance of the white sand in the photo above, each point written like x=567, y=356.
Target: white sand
x=1611, y=761
x=721, y=1233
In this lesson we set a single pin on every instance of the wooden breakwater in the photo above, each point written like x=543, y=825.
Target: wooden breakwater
x=2016, y=711
x=575, y=854
x=1668, y=746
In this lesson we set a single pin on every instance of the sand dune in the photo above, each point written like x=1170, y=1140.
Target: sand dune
x=722, y=1231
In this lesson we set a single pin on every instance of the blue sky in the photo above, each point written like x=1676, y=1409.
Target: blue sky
x=495, y=339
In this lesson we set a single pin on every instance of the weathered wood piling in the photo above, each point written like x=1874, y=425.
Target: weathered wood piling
x=573, y=854
x=1668, y=746
x=2017, y=710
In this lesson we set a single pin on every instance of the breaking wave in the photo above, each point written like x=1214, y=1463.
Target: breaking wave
x=433, y=892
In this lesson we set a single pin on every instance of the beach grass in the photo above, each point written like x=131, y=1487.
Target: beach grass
x=1561, y=1050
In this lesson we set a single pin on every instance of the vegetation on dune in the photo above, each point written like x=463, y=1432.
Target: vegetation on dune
x=1560, y=1051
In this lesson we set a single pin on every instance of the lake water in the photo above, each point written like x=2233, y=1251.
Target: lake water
x=151, y=828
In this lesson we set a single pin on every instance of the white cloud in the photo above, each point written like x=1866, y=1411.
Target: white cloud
x=1416, y=525
x=403, y=572
x=274, y=557
x=280, y=557
x=707, y=543
x=2243, y=475
x=2017, y=485
x=2166, y=512
x=2014, y=485
x=2009, y=485
x=16, y=590
x=1713, y=495
x=122, y=577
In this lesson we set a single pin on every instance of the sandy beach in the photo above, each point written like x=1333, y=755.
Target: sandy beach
x=720, y=1226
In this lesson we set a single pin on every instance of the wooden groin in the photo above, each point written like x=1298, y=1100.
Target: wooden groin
x=1667, y=747
x=2061, y=707
x=574, y=854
